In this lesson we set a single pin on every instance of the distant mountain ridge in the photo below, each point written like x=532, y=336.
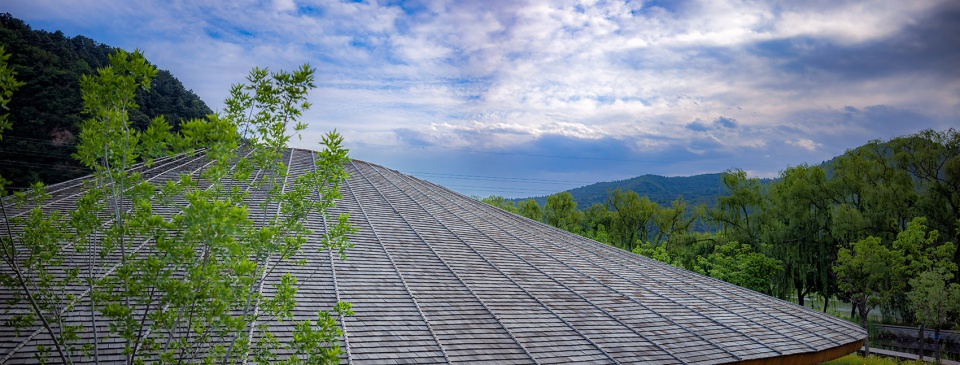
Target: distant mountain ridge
x=660, y=189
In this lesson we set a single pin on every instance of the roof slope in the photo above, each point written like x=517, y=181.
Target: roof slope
x=438, y=277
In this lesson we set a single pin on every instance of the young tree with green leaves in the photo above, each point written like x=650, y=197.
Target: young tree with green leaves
x=561, y=212
x=530, y=209
x=502, y=203
x=739, y=264
x=868, y=273
x=30, y=250
x=199, y=293
x=934, y=299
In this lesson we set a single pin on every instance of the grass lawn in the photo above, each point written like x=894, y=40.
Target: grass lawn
x=854, y=359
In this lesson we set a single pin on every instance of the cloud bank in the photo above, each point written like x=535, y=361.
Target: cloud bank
x=570, y=90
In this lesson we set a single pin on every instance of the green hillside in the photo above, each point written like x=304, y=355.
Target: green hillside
x=46, y=111
x=660, y=189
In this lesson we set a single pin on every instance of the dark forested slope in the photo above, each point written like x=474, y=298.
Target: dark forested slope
x=45, y=112
x=660, y=189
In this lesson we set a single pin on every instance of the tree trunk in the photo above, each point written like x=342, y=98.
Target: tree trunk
x=936, y=341
x=826, y=302
x=866, y=341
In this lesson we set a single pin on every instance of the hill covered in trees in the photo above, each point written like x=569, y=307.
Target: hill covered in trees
x=47, y=110
x=876, y=227
x=659, y=189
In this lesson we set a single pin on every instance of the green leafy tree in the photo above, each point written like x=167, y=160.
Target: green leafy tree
x=737, y=214
x=868, y=273
x=933, y=159
x=561, y=212
x=870, y=181
x=632, y=220
x=502, y=203
x=8, y=85
x=656, y=252
x=30, y=249
x=198, y=295
x=676, y=221
x=922, y=251
x=739, y=264
x=596, y=220
x=934, y=299
x=530, y=209
x=799, y=222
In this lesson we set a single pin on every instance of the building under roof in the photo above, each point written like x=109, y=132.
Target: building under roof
x=438, y=277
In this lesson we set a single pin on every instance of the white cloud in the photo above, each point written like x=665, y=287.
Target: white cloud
x=805, y=143
x=515, y=71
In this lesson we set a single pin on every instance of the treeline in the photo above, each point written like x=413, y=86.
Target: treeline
x=660, y=189
x=876, y=227
x=46, y=112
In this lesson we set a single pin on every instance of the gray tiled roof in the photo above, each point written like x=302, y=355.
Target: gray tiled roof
x=437, y=277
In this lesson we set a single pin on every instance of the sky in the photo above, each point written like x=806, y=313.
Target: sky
x=526, y=98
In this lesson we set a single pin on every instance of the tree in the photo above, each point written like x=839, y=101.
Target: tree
x=530, y=209
x=502, y=203
x=737, y=213
x=676, y=221
x=739, y=264
x=632, y=219
x=921, y=252
x=32, y=253
x=868, y=180
x=561, y=212
x=199, y=293
x=933, y=159
x=868, y=274
x=933, y=300
x=798, y=229
x=8, y=85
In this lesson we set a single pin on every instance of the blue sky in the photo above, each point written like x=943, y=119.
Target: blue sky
x=522, y=98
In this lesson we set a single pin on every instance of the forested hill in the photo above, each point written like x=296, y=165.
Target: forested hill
x=46, y=111
x=660, y=189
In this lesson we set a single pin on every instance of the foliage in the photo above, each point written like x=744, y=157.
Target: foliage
x=561, y=212
x=797, y=229
x=530, y=209
x=632, y=218
x=739, y=264
x=8, y=84
x=658, y=253
x=736, y=214
x=698, y=189
x=47, y=112
x=934, y=298
x=868, y=273
x=200, y=292
x=32, y=253
x=784, y=236
x=502, y=203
